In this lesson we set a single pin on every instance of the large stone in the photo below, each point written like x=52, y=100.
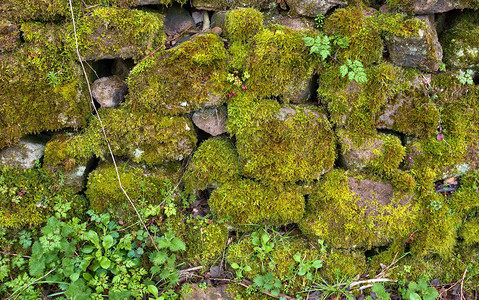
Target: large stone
x=109, y=91
x=422, y=51
x=211, y=120
x=351, y=212
x=9, y=36
x=295, y=23
x=24, y=155
x=177, y=20
x=218, y=5
x=461, y=42
x=209, y=293
x=426, y=7
x=311, y=8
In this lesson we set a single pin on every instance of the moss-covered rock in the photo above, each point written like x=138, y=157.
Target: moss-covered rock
x=34, y=10
x=28, y=197
x=242, y=24
x=182, y=79
x=425, y=7
x=340, y=263
x=279, y=64
x=312, y=8
x=351, y=212
x=205, y=242
x=422, y=50
x=381, y=154
x=461, y=46
x=9, y=36
x=245, y=202
x=217, y=5
x=144, y=186
x=214, y=163
x=42, y=87
x=110, y=32
x=281, y=143
x=142, y=137
x=63, y=163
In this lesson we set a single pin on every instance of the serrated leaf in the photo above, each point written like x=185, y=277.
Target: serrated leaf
x=158, y=258
x=274, y=292
x=308, y=41
x=259, y=280
x=177, y=245
x=163, y=243
x=343, y=70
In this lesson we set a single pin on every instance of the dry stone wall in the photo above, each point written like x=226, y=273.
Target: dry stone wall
x=225, y=101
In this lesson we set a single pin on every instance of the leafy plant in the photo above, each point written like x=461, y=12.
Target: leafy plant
x=319, y=21
x=380, y=291
x=53, y=78
x=321, y=45
x=268, y=283
x=419, y=291
x=465, y=77
x=263, y=246
x=164, y=260
x=354, y=70
x=336, y=289
x=239, y=269
x=306, y=267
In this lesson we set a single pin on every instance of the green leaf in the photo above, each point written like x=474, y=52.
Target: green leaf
x=177, y=245
x=259, y=280
x=163, y=243
x=297, y=257
x=414, y=296
x=308, y=41
x=235, y=266
x=108, y=241
x=274, y=292
x=92, y=236
x=105, y=263
x=343, y=70
x=247, y=268
x=317, y=264
x=88, y=249
x=153, y=290
x=158, y=257
x=74, y=277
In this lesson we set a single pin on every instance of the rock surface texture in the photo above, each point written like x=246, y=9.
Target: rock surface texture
x=109, y=91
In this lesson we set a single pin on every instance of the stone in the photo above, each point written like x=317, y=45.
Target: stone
x=216, y=5
x=177, y=20
x=311, y=8
x=9, y=36
x=25, y=154
x=211, y=120
x=59, y=156
x=295, y=23
x=460, y=42
x=197, y=16
x=425, y=7
x=218, y=19
x=422, y=51
x=358, y=157
x=209, y=293
x=109, y=91
x=122, y=67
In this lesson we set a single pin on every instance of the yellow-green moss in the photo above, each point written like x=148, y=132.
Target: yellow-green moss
x=345, y=220
x=9, y=36
x=244, y=202
x=205, y=242
x=110, y=32
x=214, y=162
x=242, y=24
x=142, y=137
x=143, y=186
x=42, y=87
x=340, y=263
x=182, y=79
x=27, y=197
x=279, y=62
x=288, y=143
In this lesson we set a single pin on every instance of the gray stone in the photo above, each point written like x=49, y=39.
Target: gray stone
x=218, y=20
x=232, y=4
x=122, y=67
x=25, y=154
x=311, y=8
x=177, y=20
x=426, y=7
x=209, y=293
x=197, y=16
x=295, y=23
x=211, y=120
x=421, y=51
x=9, y=36
x=109, y=91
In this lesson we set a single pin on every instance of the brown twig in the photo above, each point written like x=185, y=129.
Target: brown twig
x=452, y=286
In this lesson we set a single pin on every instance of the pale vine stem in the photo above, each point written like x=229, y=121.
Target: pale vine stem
x=19, y=290
x=103, y=128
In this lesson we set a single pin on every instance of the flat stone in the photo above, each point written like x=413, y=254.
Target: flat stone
x=177, y=20
x=209, y=293
x=311, y=8
x=211, y=120
x=25, y=154
x=422, y=51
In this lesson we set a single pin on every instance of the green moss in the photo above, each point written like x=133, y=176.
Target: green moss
x=205, y=242
x=238, y=53
x=357, y=107
x=34, y=10
x=9, y=36
x=242, y=24
x=288, y=143
x=143, y=186
x=214, y=163
x=279, y=64
x=28, y=197
x=182, y=79
x=460, y=43
x=245, y=202
x=29, y=108
x=359, y=218
x=146, y=137
x=340, y=263
x=109, y=32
